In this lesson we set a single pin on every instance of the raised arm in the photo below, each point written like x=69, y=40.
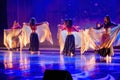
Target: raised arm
x=99, y=27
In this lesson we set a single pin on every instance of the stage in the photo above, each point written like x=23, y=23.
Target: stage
x=23, y=65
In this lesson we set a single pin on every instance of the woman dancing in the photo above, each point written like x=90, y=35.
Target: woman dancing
x=16, y=32
x=34, y=41
x=105, y=50
x=69, y=46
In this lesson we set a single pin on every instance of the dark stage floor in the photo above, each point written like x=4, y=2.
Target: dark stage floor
x=26, y=66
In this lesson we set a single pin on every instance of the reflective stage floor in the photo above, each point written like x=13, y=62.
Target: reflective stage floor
x=26, y=66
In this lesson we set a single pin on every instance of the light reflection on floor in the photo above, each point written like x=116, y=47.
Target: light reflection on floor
x=24, y=65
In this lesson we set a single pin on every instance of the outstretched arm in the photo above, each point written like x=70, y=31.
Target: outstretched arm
x=113, y=24
x=76, y=28
x=37, y=24
x=61, y=27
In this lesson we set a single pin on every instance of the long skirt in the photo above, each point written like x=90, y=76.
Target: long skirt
x=34, y=42
x=69, y=46
x=106, y=50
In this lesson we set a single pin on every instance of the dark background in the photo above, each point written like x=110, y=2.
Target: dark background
x=85, y=13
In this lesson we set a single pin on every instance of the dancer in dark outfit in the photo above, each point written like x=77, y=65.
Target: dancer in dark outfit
x=69, y=47
x=34, y=41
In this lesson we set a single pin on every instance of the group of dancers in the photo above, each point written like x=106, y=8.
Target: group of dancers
x=104, y=48
x=105, y=45
x=31, y=34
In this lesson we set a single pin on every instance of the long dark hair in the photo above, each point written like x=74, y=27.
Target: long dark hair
x=108, y=19
x=32, y=21
x=68, y=23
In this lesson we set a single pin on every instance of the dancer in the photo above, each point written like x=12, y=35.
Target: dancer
x=15, y=38
x=69, y=46
x=34, y=33
x=105, y=50
x=34, y=41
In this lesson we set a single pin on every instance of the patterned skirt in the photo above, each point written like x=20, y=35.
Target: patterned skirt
x=106, y=50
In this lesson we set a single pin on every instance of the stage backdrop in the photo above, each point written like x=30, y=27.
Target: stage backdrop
x=85, y=13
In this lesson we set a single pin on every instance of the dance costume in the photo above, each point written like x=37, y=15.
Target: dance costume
x=34, y=41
